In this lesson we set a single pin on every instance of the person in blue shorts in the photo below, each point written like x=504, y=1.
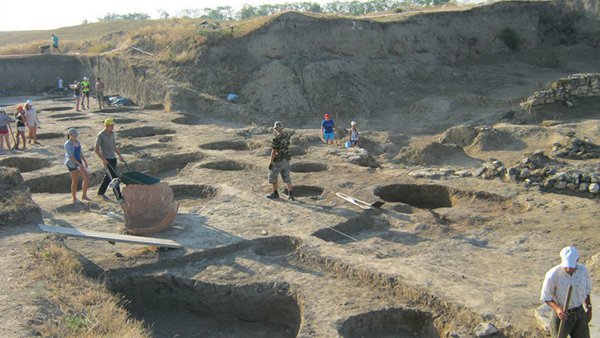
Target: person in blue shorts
x=327, y=129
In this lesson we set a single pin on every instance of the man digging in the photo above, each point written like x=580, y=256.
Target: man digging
x=107, y=150
x=280, y=161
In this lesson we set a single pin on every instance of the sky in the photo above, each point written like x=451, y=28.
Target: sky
x=19, y=15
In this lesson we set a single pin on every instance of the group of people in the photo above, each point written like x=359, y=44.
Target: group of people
x=105, y=148
x=25, y=118
x=81, y=92
x=328, y=132
x=279, y=162
x=573, y=317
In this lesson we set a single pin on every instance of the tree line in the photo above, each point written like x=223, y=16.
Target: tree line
x=353, y=7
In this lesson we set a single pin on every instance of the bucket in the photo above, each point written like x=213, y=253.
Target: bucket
x=347, y=144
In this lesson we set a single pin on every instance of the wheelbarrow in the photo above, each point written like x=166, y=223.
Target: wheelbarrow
x=135, y=177
x=149, y=205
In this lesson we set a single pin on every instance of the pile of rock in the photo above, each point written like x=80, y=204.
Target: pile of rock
x=576, y=85
x=359, y=156
x=532, y=170
x=576, y=149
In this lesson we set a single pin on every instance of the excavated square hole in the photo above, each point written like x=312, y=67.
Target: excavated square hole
x=195, y=191
x=354, y=230
x=175, y=307
x=307, y=167
x=25, y=164
x=397, y=323
x=225, y=145
x=226, y=166
x=144, y=132
x=420, y=196
x=305, y=191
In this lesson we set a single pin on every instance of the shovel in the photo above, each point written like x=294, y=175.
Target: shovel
x=13, y=136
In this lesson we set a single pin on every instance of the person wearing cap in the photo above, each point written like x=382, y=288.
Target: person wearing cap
x=327, y=129
x=107, y=151
x=74, y=160
x=280, y=161
x=32, y=121
x=4, y=121
x=85, y=93
x=554, y=291
x=76, y=86
x=21, y=124
x=55, y=43
x=99, y=92
x=353, y=135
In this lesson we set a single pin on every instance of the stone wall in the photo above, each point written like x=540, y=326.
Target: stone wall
x=563, y=90
x=533, y=171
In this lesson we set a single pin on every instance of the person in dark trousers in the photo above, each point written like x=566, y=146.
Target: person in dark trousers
x=107, y=150
x=55, y=43
x=554, y=291
x=280, y=161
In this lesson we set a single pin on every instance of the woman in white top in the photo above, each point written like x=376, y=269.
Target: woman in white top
x=353, y=135
x=32, y=121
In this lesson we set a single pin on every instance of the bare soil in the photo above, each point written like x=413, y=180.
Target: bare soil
x=445, y=252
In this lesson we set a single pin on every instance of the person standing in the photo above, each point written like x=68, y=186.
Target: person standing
x=280, y=161
x=85, y=92
x=100, y=92
x=55, y=43
x=76, y=86
x=107, y=151
x=353, y=135
x=4, y=121
x=21, y=123
x=32, y=121
x=554, y=291
x=327, y=129
x=74, y=160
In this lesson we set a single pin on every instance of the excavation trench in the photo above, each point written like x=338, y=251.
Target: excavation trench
x=397, y=323
x=420, y=196
x=307, y=167
x=144, y=132
x=225, y=145
x=226, y=166
x=356, y=229
x=432, y=196
x=176, y=307
x=25, y=164
x=305, y=191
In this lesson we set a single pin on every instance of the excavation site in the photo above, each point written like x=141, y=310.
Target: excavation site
x=478, y=160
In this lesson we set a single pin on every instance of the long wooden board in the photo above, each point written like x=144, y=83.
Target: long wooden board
x=97, y=235
x=354, y=201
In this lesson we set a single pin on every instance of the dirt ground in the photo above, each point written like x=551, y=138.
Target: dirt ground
x=445, y=253
x=442, y=255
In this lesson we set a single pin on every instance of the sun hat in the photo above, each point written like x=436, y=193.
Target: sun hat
x=569, y=257
x=28, y=102
x=85, y=78
x=73, y=132
x=109, y=121
x=353, y=123
x=278, y=125
x=326, y=116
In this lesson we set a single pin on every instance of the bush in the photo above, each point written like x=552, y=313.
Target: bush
x=510, y=38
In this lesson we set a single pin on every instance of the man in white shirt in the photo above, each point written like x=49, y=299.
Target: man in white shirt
x=554, y=291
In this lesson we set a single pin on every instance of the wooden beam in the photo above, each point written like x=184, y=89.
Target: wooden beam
x=111, y=238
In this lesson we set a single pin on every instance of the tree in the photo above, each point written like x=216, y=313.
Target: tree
x=163, y=14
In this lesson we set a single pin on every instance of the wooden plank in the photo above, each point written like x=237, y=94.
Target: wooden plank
x=97, y=235
x=377, y=204
x=353, y=201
